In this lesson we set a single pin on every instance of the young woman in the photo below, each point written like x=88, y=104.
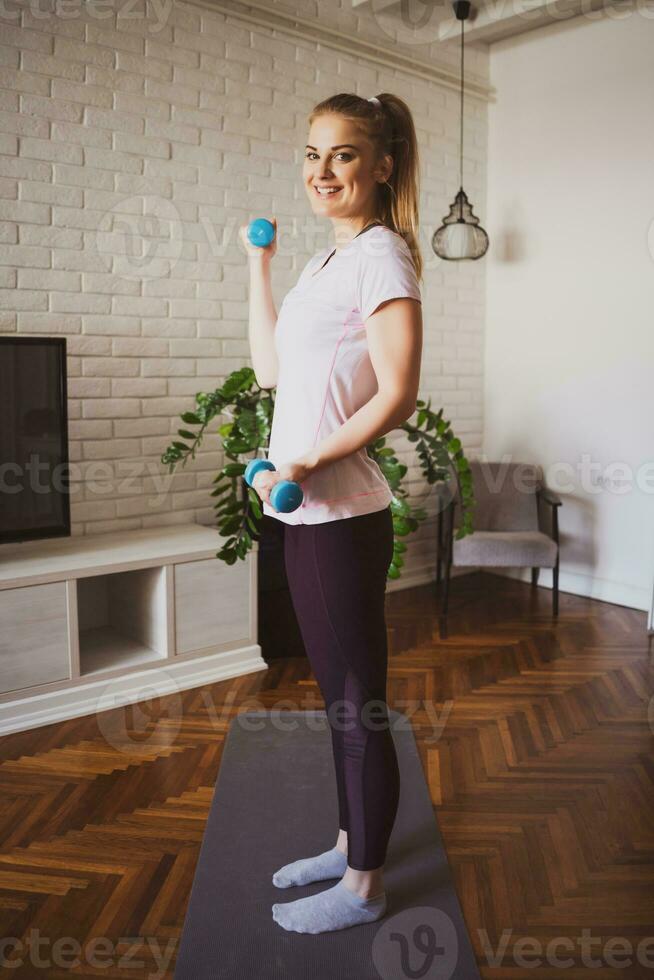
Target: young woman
x=344, y=353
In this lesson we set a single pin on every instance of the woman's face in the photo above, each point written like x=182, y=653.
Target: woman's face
x=339, y=156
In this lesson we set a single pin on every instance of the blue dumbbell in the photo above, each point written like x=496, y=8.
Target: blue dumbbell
x=261, y=232
x=285, y=496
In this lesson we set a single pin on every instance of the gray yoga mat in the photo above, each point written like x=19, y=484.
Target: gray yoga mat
x=274, y=801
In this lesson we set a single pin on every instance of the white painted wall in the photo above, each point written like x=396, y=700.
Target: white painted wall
x=569, y=356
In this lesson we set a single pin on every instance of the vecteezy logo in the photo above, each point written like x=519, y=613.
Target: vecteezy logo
x=140, y=726
x=416, y=944
x=141, y=236
x=416, y=21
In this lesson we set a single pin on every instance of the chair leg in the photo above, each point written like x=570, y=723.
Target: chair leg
x=555, y=590
x=442, y=623
x=534, y=575
x=439, y=551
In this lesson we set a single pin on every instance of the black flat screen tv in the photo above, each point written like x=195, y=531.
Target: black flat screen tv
x=34, y=466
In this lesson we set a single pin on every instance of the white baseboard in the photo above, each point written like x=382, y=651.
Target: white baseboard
x=589, y=586
x=100, y=695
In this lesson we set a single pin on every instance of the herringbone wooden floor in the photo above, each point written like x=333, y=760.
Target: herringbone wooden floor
x=541, y=772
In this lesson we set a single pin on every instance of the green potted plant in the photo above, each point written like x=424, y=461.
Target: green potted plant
x=249, y=410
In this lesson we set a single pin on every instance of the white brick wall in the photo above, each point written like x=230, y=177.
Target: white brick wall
x=105, y=121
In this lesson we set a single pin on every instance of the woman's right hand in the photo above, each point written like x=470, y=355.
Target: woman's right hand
x=256, y=251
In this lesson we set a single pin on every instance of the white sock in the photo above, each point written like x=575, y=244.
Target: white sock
x=329, y=864
x=335, y=908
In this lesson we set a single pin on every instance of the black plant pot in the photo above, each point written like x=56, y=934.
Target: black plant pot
x=279, y=633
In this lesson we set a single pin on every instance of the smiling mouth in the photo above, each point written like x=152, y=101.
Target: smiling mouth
x=326, y=192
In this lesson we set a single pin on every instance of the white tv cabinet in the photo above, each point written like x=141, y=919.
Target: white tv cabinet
x=90, y=622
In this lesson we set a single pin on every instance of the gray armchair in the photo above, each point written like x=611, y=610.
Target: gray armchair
x=509, y=525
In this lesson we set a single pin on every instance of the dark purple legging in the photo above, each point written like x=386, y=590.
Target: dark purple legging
x=336, y=572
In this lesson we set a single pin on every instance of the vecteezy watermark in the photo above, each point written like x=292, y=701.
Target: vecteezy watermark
x=155, y=13
x=135, y=722
x=416, y=942
x=98, y=953
x=563, y=476
x=528, y=952
x=423, y=942
x=306, y=237
x=151, y=717
x=419, y=21
x=342, y=715
x=124, y=477
x=95, y=477
x=413, y=21
x=142, y=237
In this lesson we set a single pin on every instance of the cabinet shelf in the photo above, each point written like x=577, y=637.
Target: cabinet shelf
x=123, y=619
x=105, y=648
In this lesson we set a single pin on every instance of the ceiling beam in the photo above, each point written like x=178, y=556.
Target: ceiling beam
x=499, y=19
x=263, y=15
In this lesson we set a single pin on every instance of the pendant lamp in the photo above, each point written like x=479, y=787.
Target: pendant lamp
x=460, y=236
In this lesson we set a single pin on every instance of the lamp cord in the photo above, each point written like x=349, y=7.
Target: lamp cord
x=461, y=136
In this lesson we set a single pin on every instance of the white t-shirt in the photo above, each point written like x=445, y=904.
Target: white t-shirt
x=325, y=371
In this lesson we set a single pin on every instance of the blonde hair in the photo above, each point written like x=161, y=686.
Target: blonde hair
x=390, y=128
